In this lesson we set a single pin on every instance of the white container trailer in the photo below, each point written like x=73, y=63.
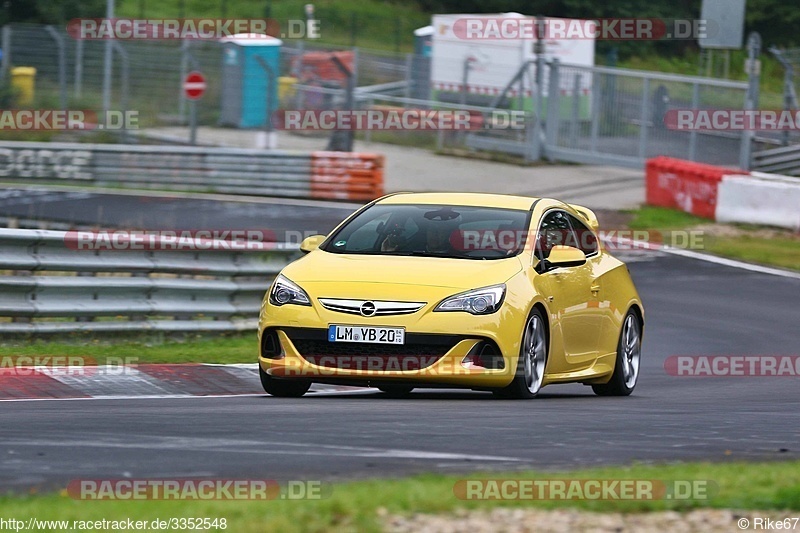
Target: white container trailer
x=496, y=49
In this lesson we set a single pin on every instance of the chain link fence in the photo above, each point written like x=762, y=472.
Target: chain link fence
x=587, y=114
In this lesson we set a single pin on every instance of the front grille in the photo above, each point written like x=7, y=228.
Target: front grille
x=420, y=351
x=376, y=308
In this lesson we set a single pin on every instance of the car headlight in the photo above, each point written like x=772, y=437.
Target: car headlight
x=477, y=302
x=284, y=291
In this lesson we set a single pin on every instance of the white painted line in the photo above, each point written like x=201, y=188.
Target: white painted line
x=187, y=396
x=706, y=257
x=248, y=366
x=259, y=447
x=733, y=263
x=150, y=397
x=102, y=384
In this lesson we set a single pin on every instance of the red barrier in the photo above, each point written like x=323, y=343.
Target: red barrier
x=685, y=185
x=346, y=175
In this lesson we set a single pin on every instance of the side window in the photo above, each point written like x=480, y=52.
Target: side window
x=555, y=230
x=587, y=240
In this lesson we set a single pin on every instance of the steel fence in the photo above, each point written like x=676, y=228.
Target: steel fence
x=321, y=174
x=49, y=286
x=589, y=115
x=618, y=116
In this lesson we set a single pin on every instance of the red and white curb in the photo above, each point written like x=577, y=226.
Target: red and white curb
x=141, y=381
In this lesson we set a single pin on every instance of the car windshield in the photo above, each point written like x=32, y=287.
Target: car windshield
x=461, y=232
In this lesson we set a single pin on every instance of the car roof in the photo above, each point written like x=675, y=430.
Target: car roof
x=466, y=199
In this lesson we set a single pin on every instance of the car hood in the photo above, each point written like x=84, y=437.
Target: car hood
x=324, y=267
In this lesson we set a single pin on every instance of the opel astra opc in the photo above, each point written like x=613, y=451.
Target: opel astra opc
x=481, y=291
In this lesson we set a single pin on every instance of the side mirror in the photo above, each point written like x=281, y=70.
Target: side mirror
x=565, y=256
x=311, y=243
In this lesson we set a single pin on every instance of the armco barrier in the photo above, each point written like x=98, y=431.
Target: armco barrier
x=48, y=286
x=352, y=176
x=343, y=175
x=685, y=185
x=760, y=199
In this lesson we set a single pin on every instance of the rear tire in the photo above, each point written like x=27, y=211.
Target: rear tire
x=283, y=388
x=532, y=361
x=396, y=391
x=626, y=367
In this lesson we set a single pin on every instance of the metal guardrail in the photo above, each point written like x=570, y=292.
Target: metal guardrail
x=47, y=286
x=784, y=160
x=352, y=176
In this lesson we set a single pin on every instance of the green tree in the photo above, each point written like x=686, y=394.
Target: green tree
x=49, y=11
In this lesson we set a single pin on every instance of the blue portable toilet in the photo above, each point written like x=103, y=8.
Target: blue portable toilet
x=423, y=41
x=250, y=70
x=421, y=63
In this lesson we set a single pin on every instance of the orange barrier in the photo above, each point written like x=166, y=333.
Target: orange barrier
x=319, y=67
x=346, y=175
x=685, y=185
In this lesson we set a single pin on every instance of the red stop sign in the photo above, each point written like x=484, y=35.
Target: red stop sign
x=194, y=85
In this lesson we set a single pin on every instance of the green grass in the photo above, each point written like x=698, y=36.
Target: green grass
x=653, y=217
x=355, y=506
x=749, y=243
x=240, y=348
x=369, y=23
x=776, y=251
x=771, y=76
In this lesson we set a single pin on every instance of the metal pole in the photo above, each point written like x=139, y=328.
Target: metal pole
x=193, y=122
x=342, y=141
x=727, y=64
x=596, y=99
x=6, y=44
x=751, y=98
x=643, y=118
x=78, y=67
x=539, y=138
x=185, y=59
x=62, y=65
x=465, y=80
x=409, y=77
x=553, y=107
x=576, y=94
x=788, y=95
x=107, y=66
x=693, y=133
x=125, y=85
x=271, y=82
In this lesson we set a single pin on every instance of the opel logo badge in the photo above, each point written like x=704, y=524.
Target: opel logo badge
x=367, y=309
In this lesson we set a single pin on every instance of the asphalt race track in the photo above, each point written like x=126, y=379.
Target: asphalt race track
x=162, y=211
x=693, y=308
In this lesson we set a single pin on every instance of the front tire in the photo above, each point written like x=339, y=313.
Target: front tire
x=283, y=388
x=626, y=368
x=532, y=361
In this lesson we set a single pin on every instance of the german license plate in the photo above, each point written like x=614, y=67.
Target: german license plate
x=338, y=333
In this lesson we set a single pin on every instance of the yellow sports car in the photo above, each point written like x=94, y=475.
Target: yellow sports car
x=482, y=291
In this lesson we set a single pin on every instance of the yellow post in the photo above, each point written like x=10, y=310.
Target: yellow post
x=23, y=79
x=286, y=87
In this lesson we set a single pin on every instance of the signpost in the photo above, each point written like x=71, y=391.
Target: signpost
x=194, y=86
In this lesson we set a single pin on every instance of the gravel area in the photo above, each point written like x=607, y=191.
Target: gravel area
x=569, y=520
